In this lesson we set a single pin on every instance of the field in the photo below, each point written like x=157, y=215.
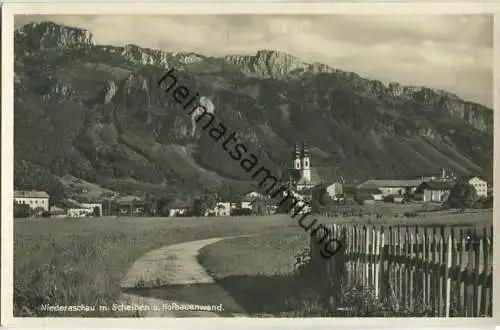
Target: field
x=264, y=284
x=81, y=261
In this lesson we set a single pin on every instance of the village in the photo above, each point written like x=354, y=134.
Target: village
x=301, y=179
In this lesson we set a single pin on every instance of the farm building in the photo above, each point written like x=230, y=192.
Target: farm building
x=366, y=199
x=335, y=190
x=176, y=211
x=435, y=191
x=131, y=205
x=392, y=187
x=93, y=206
x=57, y=211
x=479, y=184
x=35, y=199
x=74, y=208
x=244, y=203
x=176, y=208
x=222, y=209
x=79, y=212
x=253, y=194
x=369, y=193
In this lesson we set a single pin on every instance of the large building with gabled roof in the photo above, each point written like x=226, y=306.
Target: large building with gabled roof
x=35, y=199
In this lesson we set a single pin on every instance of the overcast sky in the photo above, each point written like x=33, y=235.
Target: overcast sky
x=454, y=53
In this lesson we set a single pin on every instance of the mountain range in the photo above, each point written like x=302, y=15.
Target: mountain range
x=96, y=113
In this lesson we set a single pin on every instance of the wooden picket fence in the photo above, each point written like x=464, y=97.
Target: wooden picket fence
x=447, y=270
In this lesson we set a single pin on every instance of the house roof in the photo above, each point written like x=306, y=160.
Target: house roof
x=248, y=198
x=291, y=173
x=364, y=197
x=178, y=207
x=30, y=194
x=132, y=203
x=437, y=185
x=331, y=183
x=128, y=198
x=469, y=177
x=180, y=204
x=315, y=179
x=295, y=175
x=254, y=193
x=265, y=201
x=390, y=183
x=368, y=191
x=56, y=209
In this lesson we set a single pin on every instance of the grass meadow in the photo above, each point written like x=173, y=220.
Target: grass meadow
x=81, y=261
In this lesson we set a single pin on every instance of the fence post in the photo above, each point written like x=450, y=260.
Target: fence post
x=365, y=252
x=441, y=265
x=406, y=267
x=447, y=287
x=399, y=273
x=469, y=290
x=425, y=268
x=461, y=272
x=412, y=267
x=435, y=273
x=373, y=255
x=379, y=270
x=485, y=303
x=387, y=264
x=477, y=263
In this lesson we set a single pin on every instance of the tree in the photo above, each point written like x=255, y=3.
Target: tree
x=37, y=212
x=484, y=202
x=462, y=195
x=96, y=212
x=21, y=210
x=202, y=204
x=163, y=205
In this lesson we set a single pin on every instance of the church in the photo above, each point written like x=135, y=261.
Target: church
x=301, y=176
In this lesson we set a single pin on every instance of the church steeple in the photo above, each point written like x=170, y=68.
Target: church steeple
x=296, y=157
x=306, y=163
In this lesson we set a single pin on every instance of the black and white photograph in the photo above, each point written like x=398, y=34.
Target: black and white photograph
x=252, y=165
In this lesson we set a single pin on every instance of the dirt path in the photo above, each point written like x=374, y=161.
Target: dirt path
x=170, y=277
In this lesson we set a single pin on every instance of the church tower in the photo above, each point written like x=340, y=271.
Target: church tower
x=296, y=157
x=306, y=163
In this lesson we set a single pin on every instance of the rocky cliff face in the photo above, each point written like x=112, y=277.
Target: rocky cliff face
x=48, y=35
x=278, y=65
x=114, y=123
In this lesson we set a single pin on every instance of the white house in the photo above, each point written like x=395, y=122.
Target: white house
x=35, y=199
x=221, y=209
x=335, y=189
x=174, y=212
x=480, y=185
x=246, y=205
x=92, y=206
x=79, y=212
x=254, y=194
